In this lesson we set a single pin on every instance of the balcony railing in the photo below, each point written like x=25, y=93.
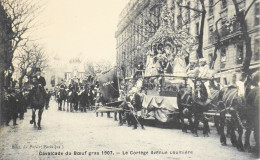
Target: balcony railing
x=224, y=32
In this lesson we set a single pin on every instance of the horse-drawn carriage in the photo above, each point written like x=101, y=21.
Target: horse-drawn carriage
x=169, y=92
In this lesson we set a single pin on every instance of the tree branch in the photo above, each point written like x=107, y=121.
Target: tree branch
x=250, y=7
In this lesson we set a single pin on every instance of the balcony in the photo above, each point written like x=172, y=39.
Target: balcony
x=226, y=32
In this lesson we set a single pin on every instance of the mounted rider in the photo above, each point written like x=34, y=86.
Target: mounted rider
x=62, y=85
x=38, y=81
x=73, y=86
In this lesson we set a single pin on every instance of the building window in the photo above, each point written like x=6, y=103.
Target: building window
x=173, y=22
x=240, y=48
x=223, y=58
x=257, y=13
x=224, y=4
x=188, y=12
x=188, y=30
x=257, y=49
x=197, y=28
x=225, y=81
x=197, y=3
x=211, y=7
x=211, y=34
x=241, y=5
x=179, y=21
x=210, y=59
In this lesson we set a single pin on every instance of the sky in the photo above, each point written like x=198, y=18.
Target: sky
x=84, y=28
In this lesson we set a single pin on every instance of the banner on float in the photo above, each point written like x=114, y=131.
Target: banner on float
x=108, y=85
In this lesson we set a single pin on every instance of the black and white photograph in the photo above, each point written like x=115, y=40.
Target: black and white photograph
x=129, y=79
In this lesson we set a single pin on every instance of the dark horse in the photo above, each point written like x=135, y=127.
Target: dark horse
x=37, y=101
x=191, y=105
x=242, y=103
x=61, y=98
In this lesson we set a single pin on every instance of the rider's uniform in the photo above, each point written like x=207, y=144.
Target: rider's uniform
x=38, y=81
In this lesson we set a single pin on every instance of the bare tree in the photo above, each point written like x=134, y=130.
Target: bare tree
x=30, y=58
x=241, y=18
x=202, y=11
x=21, y=15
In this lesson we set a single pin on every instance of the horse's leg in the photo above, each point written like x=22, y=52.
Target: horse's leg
x=58, y=104
x=181, y=115
x=240, y=143
x=256, y=137
x=33, y=117
x=64, y=107
x=72, y=106
x=190, y=125
x=183, y=126
x=216, y=122
x=206, y=129
x=39, y=118
x=247, y=146
x=223, y=140
x=195, y=125
x=231, y=127
x=67, y=106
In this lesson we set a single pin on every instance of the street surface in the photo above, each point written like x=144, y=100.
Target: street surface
x=86, y=136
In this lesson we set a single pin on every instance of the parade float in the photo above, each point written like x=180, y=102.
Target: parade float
x=167, y=55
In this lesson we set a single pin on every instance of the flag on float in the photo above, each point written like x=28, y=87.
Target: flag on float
x=108, y=85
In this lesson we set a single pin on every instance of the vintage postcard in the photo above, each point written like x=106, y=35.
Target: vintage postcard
x=129, y=79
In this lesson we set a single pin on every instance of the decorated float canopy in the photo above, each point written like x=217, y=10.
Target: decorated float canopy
x=169, y=49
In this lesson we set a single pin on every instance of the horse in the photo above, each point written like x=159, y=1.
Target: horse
x=191, y=104
x=252, y=97
x=242, y=103
x=61, y=98
x=37, y=101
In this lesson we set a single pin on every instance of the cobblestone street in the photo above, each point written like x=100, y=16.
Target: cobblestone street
x=85, y=136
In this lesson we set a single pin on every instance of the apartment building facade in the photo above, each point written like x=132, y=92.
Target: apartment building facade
x=140, y=20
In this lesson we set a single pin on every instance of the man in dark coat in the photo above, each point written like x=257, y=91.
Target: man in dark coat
x=124, y=113
x=22, y=104
x=40, y=80
x=10, y=102
x=48, y=97
x=137, y=109
x=37, y=80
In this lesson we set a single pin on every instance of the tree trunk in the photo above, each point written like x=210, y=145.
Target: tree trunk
x=217, y=46
x=248, y=56
x=1, y=95
x=21, y=81
x=245, y=35
x=200, y=38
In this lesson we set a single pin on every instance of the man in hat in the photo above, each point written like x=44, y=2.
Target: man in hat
x=62, y=85
x=48, y=97
x=136, y=104
x=40, y=81
x=10, y=103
